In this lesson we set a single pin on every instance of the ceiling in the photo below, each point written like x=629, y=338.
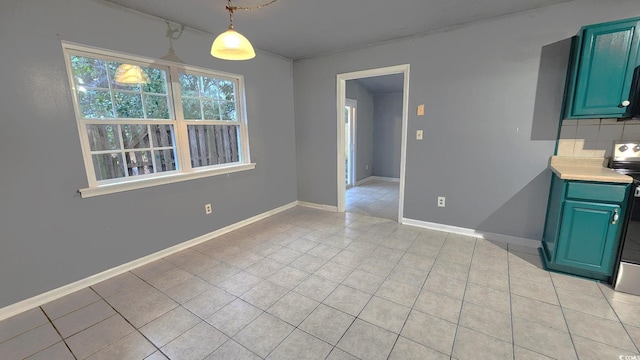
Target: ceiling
x=383, y=84
x=303, y=28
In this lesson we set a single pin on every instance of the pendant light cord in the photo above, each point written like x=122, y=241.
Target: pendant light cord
x=232, y=8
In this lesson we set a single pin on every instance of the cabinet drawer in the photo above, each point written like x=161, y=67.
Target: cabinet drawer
x=596, y=192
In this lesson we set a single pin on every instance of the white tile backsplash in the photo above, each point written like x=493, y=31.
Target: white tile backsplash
x=594, y=137
x=588, y=122
x=588, y=132
x=610, y=132
x=631, y=132
x=568, y=131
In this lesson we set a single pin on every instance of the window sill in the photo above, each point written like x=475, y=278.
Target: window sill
x=168, y=179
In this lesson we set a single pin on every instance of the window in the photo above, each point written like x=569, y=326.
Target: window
x=184, y=123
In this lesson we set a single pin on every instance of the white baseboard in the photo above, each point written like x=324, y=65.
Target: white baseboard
x=360, y=182
x=507, y=239
x=318, y=206
x=38, y=300
x=382, y=178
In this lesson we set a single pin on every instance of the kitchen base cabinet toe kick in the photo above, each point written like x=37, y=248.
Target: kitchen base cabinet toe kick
x=583, y=227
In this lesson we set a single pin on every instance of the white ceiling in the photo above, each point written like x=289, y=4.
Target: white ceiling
x=302, y=28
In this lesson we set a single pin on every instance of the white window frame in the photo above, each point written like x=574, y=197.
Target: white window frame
x=180, y=125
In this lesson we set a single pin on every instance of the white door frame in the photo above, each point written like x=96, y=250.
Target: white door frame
x=353, y=128
x=340, y=101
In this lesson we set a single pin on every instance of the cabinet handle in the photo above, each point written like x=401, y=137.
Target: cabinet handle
x=625, y=103
x=615, y=217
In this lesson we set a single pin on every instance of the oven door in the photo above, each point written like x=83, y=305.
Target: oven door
x=628, y=274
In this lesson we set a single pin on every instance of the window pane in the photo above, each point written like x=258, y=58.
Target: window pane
x=128, y=105
x=228, y=111
x=191, y=109
x=135, y=136
x=189, y=85
x=108, y=166
x=162, y=135
x=157, y=107
x=213, y=144
x=211, y=109
x=139, y=163
x=210, y=88
x=95, y=104
x=89, y=72
x=103, y=137
x=165, y=160
x=227, y=90
x=158, y=81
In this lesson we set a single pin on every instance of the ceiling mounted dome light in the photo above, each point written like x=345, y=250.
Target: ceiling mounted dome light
x=231, y=45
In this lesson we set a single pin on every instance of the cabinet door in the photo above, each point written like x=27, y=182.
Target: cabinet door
x=588, y=236
x=608, y=56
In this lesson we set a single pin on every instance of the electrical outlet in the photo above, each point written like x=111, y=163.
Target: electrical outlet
x=366, y=167
x=440, y=201
x=419, y=134
x=207, y=209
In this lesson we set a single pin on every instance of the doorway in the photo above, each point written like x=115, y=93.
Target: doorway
x=347, y=173
x=350, y=141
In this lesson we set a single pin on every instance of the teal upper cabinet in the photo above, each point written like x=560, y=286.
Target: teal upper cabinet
x=604, y=57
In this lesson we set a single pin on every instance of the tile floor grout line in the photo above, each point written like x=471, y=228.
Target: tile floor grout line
x=619, y=320
x=129, y=322
x=59, y=334
x=564, y=316
x=416, y=300
x=464, y=294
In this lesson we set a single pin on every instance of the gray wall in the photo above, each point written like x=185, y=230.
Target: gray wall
x=364, y=128
x=49, y=236
x=479, y=86
x=387, y=134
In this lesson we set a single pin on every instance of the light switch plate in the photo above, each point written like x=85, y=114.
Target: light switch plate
x=421, y=110
x=419, y=135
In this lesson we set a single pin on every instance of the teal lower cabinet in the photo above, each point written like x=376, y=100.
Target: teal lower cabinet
x=583, y=227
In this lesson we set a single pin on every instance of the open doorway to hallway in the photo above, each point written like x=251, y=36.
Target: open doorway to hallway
x=372, y=183
x=375, y=197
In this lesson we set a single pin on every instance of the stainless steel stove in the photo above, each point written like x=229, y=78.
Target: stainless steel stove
x=626, y=160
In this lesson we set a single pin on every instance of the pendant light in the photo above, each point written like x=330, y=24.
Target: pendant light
x=128, y=74
x=231, y=45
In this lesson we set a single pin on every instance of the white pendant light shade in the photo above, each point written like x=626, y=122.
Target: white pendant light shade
x=127, y=74
x=231, y=45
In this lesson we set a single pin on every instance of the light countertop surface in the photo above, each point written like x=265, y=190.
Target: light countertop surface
x=585, y=169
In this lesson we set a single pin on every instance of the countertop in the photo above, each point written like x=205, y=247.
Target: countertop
x=585, y=169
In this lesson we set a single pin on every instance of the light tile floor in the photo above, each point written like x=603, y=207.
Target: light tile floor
x=377, y=198
x=308, y=284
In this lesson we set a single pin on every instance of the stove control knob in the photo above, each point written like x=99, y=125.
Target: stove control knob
x=623, y=148
x=636, y=148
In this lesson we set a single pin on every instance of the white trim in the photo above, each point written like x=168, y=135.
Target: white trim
x=161, y=180
x=318, y=206
x=508, y=239
x=383, y=178
x=38, y=300
x=183, y=170
x=354, y=136
x=360, y=182
x=341, y=80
